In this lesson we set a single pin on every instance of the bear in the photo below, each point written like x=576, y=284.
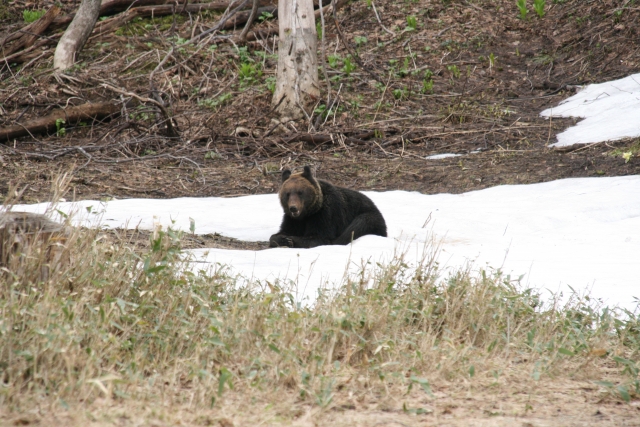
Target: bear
x=318, y=213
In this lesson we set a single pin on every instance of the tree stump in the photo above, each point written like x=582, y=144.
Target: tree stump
x=297, y=86
x=31, y=245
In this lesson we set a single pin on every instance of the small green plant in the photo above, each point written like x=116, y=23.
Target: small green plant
x=450, y=45
x=326, y=112
x=412, y=23
x=261, y=54
x=538, y=6
x=249, y=73
x=616, y=16
x=543, y=59
x=333, y=60
x=355, y=106
x=427, y=82
x=271, y=84
x=244, y=55
x=522, y=6
x=627, y=152
x=427, y=86
x=492, y=60
x=32, y=15
x=60, y=129
x=455, y=71
x=348, y=66
x=360, y=40
x=404, y=71
x=264, y=16
x=401, y=93
x=140, y=113
x=214, y=103
x=580, y=20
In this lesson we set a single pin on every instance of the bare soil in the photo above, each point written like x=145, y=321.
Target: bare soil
x=515, y=402
x=490, y=109
x=492, y=74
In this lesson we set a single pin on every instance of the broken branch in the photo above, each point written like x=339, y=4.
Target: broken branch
x=70, y=115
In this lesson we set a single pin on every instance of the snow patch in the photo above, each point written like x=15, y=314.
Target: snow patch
x=610, y=111
x=578, y=232
x=442, y=156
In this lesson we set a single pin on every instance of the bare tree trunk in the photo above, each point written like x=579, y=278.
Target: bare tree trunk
x=297, y=84
x=77, y=34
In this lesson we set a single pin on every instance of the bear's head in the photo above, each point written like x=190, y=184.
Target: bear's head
x=300, y=193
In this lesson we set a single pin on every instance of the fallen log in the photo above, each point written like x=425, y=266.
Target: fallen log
x=256, y=35
x=50, y=123
x=28, y=35
x=108, y=8
x=24, y=55
x=319, y=139
x=116, y=6
x=146, y=9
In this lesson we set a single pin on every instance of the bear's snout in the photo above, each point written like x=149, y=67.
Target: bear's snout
x=295, y=205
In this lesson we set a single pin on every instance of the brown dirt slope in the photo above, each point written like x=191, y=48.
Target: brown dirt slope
x=471, y=77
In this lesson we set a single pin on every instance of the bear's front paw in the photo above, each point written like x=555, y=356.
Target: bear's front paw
x=278, y=240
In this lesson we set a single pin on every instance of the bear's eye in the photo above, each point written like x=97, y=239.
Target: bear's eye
x=299, y=193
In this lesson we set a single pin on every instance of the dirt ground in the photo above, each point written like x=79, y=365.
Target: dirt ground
x=491, y=72
x=518, y=402
x=488, y=111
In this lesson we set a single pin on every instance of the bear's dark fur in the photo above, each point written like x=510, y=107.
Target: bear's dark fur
x=319, y=213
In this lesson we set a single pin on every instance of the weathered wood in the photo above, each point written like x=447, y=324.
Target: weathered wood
x=27, y=36
x=71, y=115
x=76, y=34
x=151, y=8
x=28, y=239
x=117, y=6
x=297, y=86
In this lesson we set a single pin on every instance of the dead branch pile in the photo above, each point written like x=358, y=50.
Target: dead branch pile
x=22, y=45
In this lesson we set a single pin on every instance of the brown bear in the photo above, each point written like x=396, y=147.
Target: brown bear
x=319, y=213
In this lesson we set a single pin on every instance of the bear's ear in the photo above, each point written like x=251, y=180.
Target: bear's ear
x=286, y=174
x=308, y=173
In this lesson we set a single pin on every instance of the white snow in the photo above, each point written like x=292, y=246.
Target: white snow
x=610, y=110
x=442, y=156
x=580, y=232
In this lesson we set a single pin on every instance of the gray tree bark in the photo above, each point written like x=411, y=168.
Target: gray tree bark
x=77, y=34
x=297, y=86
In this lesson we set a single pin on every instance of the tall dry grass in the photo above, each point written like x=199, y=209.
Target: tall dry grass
x=148, y=327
